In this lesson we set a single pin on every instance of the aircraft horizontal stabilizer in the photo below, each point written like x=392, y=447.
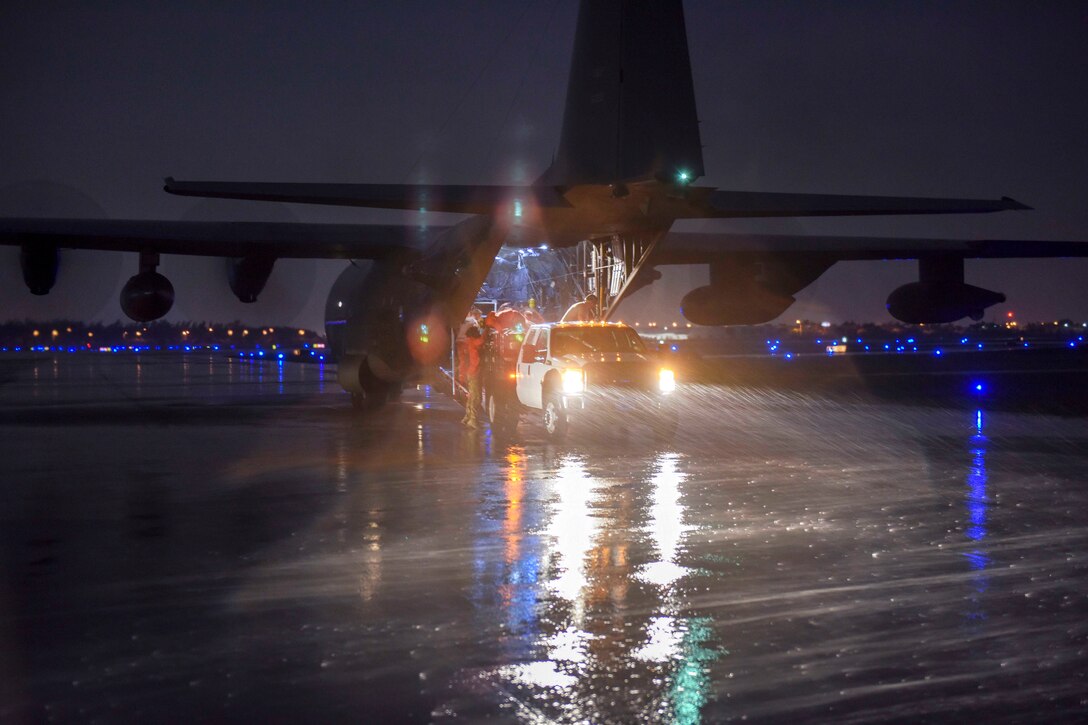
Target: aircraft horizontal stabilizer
x=734, y=204
x=704, y=248
x=461, y=199
x=219, y=239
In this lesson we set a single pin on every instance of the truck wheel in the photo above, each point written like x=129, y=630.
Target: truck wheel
x=504, y=420
x=555, y=417
x=493, y=408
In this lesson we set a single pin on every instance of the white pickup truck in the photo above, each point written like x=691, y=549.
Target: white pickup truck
x=570, y=370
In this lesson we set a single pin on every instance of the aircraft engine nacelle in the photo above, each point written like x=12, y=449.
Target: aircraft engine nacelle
x=937, y=302
x=147, y=296
x=747, y=305
x=248, y=276
x=40, y=265
x=387, y=326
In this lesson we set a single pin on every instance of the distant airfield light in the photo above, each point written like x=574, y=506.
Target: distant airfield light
x=825, y=324
x=55, y=333
x=683, y=176
x=302, y=332
x=544, y=247
x=517, y=208
x=68, y=329
x=979, y=387
x=339, y=303
x=90, y=334
x=36, y=333
x=230, y=333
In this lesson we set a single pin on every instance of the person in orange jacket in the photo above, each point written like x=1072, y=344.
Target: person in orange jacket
x=473, y=344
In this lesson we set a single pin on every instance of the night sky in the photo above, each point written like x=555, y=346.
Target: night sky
x=99, y=101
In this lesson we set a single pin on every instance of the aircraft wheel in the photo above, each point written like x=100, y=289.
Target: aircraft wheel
x=371, y=399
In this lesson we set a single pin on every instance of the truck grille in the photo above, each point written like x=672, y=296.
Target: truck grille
x=636, y=375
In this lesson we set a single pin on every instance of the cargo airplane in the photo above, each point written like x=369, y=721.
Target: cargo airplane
x=626, y=166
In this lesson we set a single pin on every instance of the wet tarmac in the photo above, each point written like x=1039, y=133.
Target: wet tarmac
x=195, y=538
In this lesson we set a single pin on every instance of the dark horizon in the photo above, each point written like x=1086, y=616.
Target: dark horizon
x=944, y=99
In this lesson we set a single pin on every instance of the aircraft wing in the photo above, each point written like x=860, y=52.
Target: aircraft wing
x=441, y=197
x=218, y=239
x=711, y=203
x=704, y=202
x=703, y=248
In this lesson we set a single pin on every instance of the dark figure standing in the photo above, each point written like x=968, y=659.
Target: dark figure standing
x=473, y=344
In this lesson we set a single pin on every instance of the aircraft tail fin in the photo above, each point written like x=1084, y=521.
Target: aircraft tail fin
x=630, y=109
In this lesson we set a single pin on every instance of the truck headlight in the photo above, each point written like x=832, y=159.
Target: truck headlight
x=666, y=380
x=574, y=382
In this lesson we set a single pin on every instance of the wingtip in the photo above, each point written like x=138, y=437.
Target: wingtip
x=167, y=183
x=1013, y=204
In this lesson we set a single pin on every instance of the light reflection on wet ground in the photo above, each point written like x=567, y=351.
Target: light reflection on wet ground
x=218, y=540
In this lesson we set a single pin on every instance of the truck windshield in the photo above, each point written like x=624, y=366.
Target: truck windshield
x=580, y=340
